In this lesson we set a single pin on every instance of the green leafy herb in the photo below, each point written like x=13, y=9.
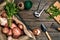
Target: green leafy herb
x=54, y=10
x=11, y=10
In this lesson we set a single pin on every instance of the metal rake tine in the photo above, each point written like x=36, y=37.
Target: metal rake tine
x=42, y=9
x=38, y=5
x=43, y=6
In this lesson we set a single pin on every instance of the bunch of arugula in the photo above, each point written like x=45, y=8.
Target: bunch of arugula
x=11, y=9
x=54, y=10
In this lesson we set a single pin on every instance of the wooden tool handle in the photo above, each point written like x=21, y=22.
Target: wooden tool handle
x=49, y=38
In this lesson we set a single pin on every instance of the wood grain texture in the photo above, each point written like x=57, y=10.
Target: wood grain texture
x=57, y=18
x=34, y=22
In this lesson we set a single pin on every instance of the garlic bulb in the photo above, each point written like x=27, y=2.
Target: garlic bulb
x=3, y=21
x=36, y=32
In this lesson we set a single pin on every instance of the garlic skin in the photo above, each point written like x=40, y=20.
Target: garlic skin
x=36, y=32
x=3, y=21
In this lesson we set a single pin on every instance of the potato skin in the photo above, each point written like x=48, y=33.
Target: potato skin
x=9, y=33
x=5, y=30
x=13, y=25
x=16, y=32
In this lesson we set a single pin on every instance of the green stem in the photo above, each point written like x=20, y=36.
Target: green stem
x=9, y=21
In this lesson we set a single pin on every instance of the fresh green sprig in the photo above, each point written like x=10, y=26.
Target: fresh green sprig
x=11, y=9
x=54, y=10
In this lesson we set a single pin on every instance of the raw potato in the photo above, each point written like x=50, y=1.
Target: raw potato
x=6, y=25
x=5, y=30
x=16, y=32
x=9, y=33
x=13, y=25
x=2, y=7
x=29, y=34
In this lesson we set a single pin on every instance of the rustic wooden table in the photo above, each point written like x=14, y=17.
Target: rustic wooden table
x=34, y=22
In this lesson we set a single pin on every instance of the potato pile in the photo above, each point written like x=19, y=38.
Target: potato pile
x=15, y=30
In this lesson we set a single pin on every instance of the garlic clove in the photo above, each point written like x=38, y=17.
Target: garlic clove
x=3, y=21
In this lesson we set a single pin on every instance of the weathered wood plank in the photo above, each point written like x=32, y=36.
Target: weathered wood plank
x=48, y=24
x=39, y=20
x=34, y=22
x=29, y=14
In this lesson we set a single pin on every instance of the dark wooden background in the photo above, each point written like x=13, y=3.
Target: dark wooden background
x=34, y=22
